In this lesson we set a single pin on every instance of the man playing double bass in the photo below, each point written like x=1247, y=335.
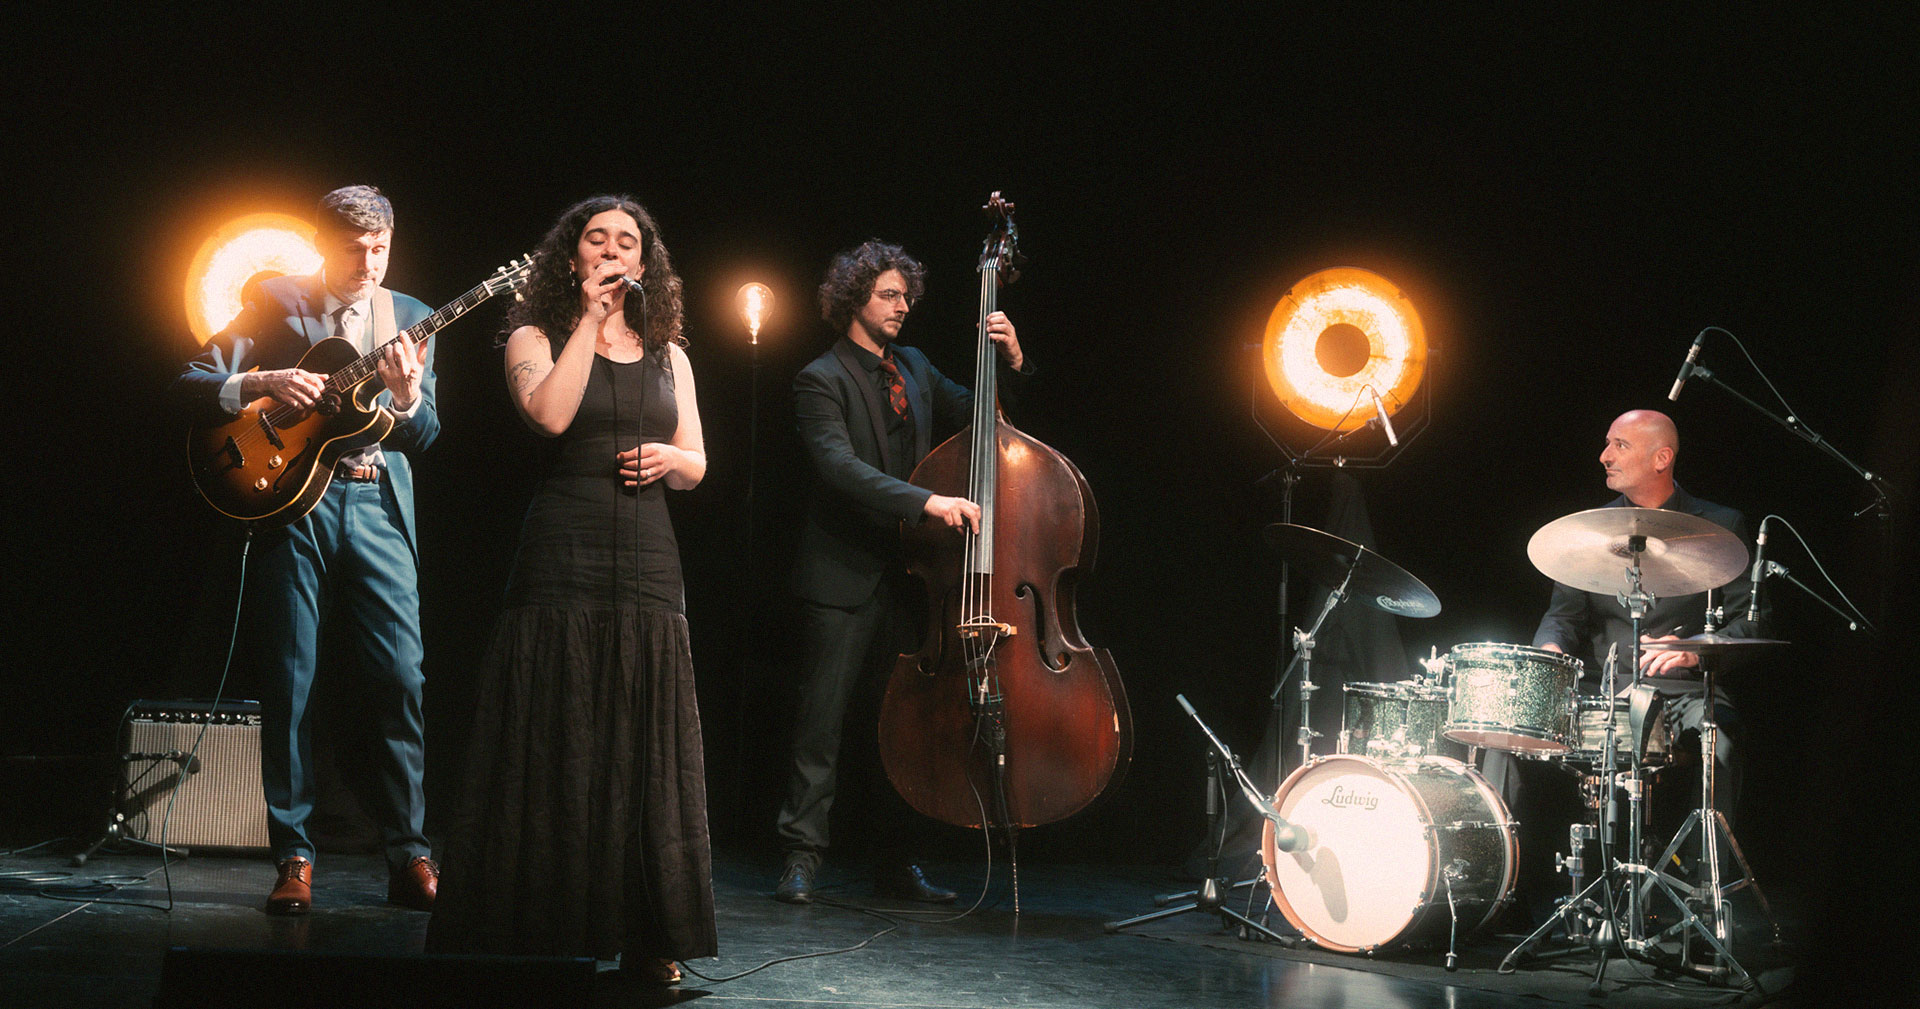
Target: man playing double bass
x=866, y=410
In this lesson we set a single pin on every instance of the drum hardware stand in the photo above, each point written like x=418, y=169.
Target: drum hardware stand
x=1573, y=909
x=1303, y=657
x=1211, y=895
x=1712, y=824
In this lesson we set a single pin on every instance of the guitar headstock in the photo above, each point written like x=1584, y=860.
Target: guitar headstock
x=1002, y=248
x=511, y=277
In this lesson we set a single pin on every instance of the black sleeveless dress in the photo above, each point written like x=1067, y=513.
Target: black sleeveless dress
x=584, y=831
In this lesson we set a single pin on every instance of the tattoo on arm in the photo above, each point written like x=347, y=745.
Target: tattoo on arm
x=522, y=376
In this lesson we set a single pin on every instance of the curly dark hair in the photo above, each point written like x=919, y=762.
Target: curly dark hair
x=850, y=278
x=551, y=299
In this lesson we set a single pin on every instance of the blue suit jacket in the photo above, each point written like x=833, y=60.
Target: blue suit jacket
x=283, y=319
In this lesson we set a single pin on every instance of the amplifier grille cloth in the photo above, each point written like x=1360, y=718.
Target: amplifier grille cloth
x=220, y=807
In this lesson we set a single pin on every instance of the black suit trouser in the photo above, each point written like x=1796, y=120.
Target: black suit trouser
x=846, y=655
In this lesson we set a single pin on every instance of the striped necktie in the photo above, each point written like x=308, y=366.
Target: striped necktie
x=896, y=386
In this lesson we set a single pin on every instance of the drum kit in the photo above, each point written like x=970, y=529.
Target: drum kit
x=1396, y=841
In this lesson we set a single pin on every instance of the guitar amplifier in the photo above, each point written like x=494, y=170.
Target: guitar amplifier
x=216, y=795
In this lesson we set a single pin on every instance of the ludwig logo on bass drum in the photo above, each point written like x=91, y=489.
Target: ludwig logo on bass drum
x=1342, y=797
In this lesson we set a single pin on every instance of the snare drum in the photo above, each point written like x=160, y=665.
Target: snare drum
x=1395, y=721
x=1512, y=697
x=1389, y=842
x=1590, y=727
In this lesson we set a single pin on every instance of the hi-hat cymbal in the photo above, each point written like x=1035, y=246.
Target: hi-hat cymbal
x=1377, y=582
x=1705, y=644
x=1684, y=553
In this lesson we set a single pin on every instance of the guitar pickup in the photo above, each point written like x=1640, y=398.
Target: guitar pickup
x=272, y=435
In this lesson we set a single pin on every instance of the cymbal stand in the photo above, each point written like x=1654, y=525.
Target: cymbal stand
x=1716, y=929
x=1303, y=642
x=1606, y=814
x=1637, y=601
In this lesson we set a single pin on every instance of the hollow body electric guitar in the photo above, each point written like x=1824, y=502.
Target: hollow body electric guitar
x=271, y=463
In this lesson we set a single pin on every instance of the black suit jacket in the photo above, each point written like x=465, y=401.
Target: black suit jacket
x=852, y=530
x=1587, y=623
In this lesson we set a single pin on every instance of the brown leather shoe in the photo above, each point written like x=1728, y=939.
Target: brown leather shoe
x=293, y=891
x=658, y=970
x=415, y=884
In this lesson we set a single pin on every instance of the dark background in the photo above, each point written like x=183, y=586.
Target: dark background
x=1566, y=203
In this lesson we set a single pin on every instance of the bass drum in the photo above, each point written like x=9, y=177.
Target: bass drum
x=1384, y=840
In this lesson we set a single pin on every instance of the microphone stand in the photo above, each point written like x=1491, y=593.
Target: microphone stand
x=1210, y=895
x=1882, y=503
x=129, y=807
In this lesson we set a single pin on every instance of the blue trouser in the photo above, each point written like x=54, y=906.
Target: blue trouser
x=348, y=559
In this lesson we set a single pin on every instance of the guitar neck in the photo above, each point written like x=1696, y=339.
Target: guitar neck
x=363, y=368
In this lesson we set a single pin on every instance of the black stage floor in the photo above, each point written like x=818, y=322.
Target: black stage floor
x=75, y=954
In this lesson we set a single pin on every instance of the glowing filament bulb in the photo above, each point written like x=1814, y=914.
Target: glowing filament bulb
x=755, y=302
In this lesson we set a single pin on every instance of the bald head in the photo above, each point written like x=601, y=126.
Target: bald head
x=1641, y=448
x=1654, y=427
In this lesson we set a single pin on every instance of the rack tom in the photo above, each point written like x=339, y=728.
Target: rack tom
x=1512, y=697
x=1396, y=721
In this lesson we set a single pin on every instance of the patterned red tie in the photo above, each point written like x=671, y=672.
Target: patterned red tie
x=896, y=386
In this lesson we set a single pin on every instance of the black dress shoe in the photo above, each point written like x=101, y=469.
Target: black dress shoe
x=907, y=882
x=796, y=885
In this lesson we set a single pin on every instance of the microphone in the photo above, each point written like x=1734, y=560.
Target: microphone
x=630, y=282
x=187, y=761
x=1686, y=367
x=1289, y=837
x=1759, y=572
x=1380, y=408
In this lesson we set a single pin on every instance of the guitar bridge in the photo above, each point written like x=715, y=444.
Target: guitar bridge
x=272, y=435
x=232, y=451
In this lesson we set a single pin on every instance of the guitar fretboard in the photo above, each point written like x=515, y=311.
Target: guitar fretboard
x=362, y=369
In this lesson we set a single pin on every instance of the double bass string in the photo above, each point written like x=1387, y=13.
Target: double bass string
x=977, y=590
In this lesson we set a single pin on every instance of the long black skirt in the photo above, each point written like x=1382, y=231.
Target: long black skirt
x=584, y=828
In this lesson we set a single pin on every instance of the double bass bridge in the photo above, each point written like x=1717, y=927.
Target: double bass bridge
x=981, y=627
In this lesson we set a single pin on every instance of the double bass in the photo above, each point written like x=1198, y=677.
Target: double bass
x=1005, y=716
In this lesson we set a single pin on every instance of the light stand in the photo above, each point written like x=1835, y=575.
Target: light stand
x=755, y=303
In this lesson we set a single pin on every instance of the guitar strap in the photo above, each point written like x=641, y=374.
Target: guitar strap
x=382, y=320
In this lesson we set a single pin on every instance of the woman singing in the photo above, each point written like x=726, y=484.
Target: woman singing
x=584, y=832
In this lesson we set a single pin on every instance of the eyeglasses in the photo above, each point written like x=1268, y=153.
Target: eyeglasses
x=890, y=296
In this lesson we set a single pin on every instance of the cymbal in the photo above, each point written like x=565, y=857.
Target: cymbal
x=1377, y=582
x=1684, y=553
x=1705, y=644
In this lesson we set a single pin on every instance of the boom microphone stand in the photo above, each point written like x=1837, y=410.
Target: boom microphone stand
x=1209, y=896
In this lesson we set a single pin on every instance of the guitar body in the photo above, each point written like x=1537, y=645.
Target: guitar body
x=241, y=471
x=271, y=464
